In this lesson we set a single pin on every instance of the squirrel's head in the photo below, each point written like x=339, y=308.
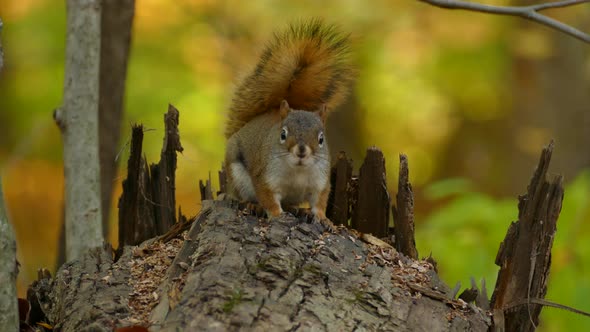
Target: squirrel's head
x=302, y=135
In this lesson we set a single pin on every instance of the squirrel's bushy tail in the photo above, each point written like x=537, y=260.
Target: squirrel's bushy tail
x=307, y=64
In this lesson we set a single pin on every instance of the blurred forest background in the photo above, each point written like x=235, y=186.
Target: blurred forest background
x=470, y=98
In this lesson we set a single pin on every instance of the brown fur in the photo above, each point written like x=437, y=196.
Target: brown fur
x=266, y=199
x=322, y=203
x=307, y=65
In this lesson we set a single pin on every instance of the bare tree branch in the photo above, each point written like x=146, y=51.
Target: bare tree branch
x=557, y=4
x=527, y=12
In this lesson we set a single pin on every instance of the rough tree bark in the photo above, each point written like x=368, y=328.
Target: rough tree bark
x=164, y=173
x=117, y=19
x=78, y=122
x=234, y=272
x=8, y=267
x=136, y=204
x=403, y=212
x=339, y=201
x=371, y=214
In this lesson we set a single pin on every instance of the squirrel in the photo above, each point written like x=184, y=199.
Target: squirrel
x=277, y=154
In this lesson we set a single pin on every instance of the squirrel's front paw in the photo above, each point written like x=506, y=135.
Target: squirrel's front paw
x=253, y=209
x=328, y=225
x=277, y=214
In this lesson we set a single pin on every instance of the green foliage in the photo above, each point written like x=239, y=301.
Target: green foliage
x=447, y=187
x=454, y=74
x=465, y=232
x=32, y=80
x=570, y=269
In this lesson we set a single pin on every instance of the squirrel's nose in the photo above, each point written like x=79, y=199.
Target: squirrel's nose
x=301, y=151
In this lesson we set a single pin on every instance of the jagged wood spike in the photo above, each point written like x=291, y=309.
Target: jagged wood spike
x=524, y=256
x=403, y=212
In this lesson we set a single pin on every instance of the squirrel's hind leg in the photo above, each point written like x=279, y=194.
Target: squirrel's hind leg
x=240, y=182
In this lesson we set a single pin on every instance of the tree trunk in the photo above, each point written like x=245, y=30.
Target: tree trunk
x=8, y=267
x=234, y=272
x=78, y=121
x=1, y=53
x=117, y=19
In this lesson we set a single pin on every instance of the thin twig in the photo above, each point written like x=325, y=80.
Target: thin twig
x=546, y=303
x=556, y=4
x=527, y=12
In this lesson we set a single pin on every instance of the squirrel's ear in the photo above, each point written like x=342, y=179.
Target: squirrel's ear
x=284, y=110
x=323, y=113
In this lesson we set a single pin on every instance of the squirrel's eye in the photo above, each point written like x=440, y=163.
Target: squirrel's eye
x=321, y=139
x=283, y=134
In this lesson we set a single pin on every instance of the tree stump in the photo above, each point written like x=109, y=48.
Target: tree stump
x=232, y=271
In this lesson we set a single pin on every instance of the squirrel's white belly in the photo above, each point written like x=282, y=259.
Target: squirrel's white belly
x=295, y=184
x=291, y=184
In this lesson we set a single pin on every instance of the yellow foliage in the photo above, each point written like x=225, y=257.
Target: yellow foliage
x=34, y=196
